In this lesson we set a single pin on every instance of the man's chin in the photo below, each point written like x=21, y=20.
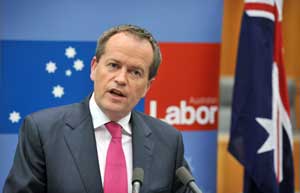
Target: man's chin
x=116, y=112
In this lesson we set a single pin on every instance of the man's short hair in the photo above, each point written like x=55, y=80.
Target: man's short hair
x=138, y=32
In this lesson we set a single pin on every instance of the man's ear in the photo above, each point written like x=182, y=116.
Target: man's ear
x=148, y=86
x=93, y=68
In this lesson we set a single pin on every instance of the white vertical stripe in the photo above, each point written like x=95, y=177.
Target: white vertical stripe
x=276, y=120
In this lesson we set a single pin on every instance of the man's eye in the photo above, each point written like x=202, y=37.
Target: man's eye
x=112, y=65
x=136, y=73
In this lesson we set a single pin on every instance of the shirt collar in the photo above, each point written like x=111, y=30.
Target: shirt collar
x=99, y=118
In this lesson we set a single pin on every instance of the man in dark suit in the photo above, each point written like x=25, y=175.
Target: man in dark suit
x=65, y=149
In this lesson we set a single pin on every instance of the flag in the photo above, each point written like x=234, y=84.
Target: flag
x=261, y=131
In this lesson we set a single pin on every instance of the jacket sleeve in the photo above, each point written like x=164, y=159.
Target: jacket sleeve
x=28, y=174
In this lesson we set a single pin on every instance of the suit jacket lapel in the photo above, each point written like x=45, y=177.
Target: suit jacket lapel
x=80, y=138
x=143, y=144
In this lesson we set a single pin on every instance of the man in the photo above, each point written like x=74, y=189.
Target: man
x=74, y=148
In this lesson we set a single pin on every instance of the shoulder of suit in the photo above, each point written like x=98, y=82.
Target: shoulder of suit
x=56, y=111
x=155, y=123
x=50, y=122
x=58, y=114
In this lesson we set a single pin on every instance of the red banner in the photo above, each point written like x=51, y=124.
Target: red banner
x=186, y=91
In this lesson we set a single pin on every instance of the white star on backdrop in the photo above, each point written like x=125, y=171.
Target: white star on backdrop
x=14, y=117
x=70, y=52
x=51, y=67
x=78, y=65
x=68, y=72
x=58, y=91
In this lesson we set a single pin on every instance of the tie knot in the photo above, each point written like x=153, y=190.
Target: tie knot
x=114, y=129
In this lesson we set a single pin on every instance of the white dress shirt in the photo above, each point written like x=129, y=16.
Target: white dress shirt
x=103, y=138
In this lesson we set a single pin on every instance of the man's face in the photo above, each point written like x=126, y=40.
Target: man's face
x=121, y=74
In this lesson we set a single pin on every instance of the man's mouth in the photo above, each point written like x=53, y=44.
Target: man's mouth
x=116, y=92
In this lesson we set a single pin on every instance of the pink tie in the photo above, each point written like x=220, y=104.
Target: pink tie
x=115, y=177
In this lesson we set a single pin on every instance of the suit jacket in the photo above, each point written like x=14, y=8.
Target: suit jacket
x=57, y=153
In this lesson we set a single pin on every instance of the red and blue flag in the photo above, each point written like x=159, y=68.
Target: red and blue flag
x=261, y=131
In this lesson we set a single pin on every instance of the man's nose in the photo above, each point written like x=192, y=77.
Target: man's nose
x=121, y=77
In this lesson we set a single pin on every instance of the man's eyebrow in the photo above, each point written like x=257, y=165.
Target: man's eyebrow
x=112, y=60
x=138, y=67
x=132, y=66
